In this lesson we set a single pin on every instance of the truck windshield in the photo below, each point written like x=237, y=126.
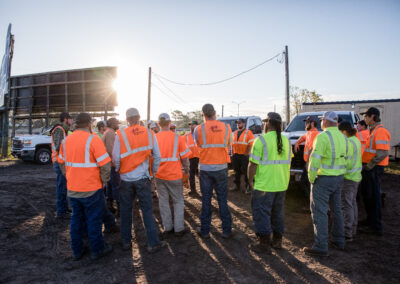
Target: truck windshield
x=298, y=124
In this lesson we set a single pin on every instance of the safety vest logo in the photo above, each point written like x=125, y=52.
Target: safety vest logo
x=215, y=128
x=136, y=131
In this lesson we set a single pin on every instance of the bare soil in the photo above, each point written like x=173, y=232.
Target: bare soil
x=34, y=246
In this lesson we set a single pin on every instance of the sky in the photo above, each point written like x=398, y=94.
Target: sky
x=344, y=50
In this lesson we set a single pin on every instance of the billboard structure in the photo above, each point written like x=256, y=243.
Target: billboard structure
x=46, y=95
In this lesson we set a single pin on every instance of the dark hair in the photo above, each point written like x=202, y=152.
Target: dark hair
x=83, y=119
x=100, y=124
x=277, y=126
x=63, y=116
x=362, y=123
x=208, y=110
x=163, y=122
x=348, y=127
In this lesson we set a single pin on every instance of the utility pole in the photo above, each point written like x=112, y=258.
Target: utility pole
x=149, y=95
x=222, y=111
x=238, y=104
x=287, y=85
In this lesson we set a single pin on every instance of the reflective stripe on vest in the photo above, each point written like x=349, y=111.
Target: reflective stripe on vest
x=205, y=145
x=187, y=141
x=369, y=149
x=243, y=142
x=354, y=169
x=265, y=157
x=333, y=166
x=174, y=158
x=87, y=163
x=136, y=150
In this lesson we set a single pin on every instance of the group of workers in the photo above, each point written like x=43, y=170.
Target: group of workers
x=125, y=162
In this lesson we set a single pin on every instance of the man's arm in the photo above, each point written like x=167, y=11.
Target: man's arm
x=186, y=165
x=63, y=170
x=155, y=152
x=116, y=154
x=105, y=173
x=58, y=136
x=315, y=157
x=301, y=140
x=251, y=173
x=379, y=156
x=109, y=139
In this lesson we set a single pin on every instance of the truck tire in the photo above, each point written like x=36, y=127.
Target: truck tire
x=43, y=156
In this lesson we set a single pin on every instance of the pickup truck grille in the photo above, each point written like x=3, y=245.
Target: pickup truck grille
x=17, y=144
x=298, y=161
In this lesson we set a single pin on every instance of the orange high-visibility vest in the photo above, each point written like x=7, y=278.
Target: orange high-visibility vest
x=213, y=138
x=136, y=144
x=363, y=136
x=308, y=138
x=172, y=148
x=379, y=139
x=192, y=146
x=54, y=152
x=240, y=144
x=83, y=154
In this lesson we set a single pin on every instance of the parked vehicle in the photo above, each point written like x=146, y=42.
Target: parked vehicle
x=296, y=129
x=33, y=147
x=254, y=123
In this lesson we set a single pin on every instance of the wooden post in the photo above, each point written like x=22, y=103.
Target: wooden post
x=287, y=85
x=149, y=95
x=83, y=92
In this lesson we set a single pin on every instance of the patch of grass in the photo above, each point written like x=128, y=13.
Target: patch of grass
x=9, y=156
x=393, y=168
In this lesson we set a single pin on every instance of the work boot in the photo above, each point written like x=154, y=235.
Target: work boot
x=315, y=252
x=276, y=240
x=263, y=245
x=153, y=249
x=107, y=250
x=110, y=205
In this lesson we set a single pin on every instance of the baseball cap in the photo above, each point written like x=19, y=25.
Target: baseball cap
x=193, y=122
x=132, y=112
x=153, y=125
x=164, y=116
x=331, y=116
x=273, y=116
x=241, y=120
x=150, y=122
x=371, y=111
x=311, y=119
x=172, y=125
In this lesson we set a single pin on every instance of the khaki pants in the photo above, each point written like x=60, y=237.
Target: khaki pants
x=165, y=189
x=349, y=207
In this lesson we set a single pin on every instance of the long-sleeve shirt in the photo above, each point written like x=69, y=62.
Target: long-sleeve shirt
x=141, y=171
x=108, y=140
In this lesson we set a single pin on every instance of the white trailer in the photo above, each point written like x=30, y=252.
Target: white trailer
x=390, y=114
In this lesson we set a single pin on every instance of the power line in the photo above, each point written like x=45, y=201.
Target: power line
x=171, y=97
x=172, y=92
x=223, y=80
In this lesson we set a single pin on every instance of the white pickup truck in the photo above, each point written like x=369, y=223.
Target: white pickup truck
x=296, y=129
x=33, y=147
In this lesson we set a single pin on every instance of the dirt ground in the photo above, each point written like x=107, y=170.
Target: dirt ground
x=34, y=246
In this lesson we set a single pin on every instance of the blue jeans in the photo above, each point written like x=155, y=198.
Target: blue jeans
x=219, y=181
x=128, y=192
x=87, y=212
x=112, y=187
x=325, y=193
x=371, y=194
x=268, y=212
x=61, y=191
x=108, y=217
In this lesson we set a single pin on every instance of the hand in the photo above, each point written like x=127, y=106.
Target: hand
x=366, y=168
x=296, y=148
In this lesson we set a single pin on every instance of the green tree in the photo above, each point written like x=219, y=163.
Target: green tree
x=299, y=96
